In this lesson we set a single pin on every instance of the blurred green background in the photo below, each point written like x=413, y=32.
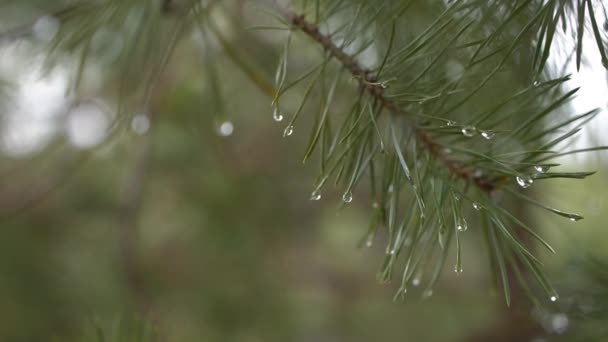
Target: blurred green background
x=211, y=232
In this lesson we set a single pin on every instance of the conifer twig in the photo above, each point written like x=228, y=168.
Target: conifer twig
x=370, y=84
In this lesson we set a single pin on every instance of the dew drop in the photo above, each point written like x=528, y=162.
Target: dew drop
x=458, y=269
x=553, y=298
x=536, y=83
x=416, y=281
x=541, y=168
x=392, y=251
x=140, y=124
x=488, y=135
x=450, y=123
x=347, y=197
x=226, y=129
x=370, y=241
x=315, y=196
x=469, y=131
x=524, y=181
x=276, y=115
x=477, y=206
x=288, y=131
x=462, y=225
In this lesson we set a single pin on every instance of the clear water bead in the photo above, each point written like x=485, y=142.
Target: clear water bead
x=477, y=206
x=226, y=129
x=347, y=197
x=416, y=281
x=462, y=225
x=488, y=135
x=553, y=298
x=541, y=168
x=288, y=131
x=524, y=181
x=458, y=269
x=315, y=196
x=276, y=115
x=469, y=131
x=140, y=124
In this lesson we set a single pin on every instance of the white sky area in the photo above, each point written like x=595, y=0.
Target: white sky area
x=39, y=109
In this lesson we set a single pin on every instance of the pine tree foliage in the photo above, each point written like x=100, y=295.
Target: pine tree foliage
x=399, y=96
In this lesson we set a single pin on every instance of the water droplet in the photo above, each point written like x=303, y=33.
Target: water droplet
x=469, y=131
x=458, y=269
x=276, y=115
x=559, y=323
x=462, y=225
x=536, y=83
x=450, y=123
x=370, y=241
x=140, y=124
x=315, y=196
x=347, y=197
x=392, y=251
x=541, y=168
x=416, y=281
x=226, y=129
x=488, y=135
x=477, y=206
x=288, y=131
x=553, y=298
x=524, y=181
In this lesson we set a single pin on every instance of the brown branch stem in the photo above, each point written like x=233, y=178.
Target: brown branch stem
x=369, y=84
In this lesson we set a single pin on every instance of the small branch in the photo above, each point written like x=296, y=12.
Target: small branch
x=369, y=84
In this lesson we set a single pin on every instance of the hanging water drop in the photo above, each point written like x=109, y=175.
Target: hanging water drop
x=276, y=115
x=477, y=206
x=458, y=269
x=469, y=131
x=462, y=225
x=288, y=131
x=225, y=129
x=524, y=181
x=541, y=168
x=315, y=196
x=553, y=298
x=488, y=135
x=347, y=197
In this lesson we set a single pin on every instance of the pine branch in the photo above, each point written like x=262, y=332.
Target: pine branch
x=369, y=83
